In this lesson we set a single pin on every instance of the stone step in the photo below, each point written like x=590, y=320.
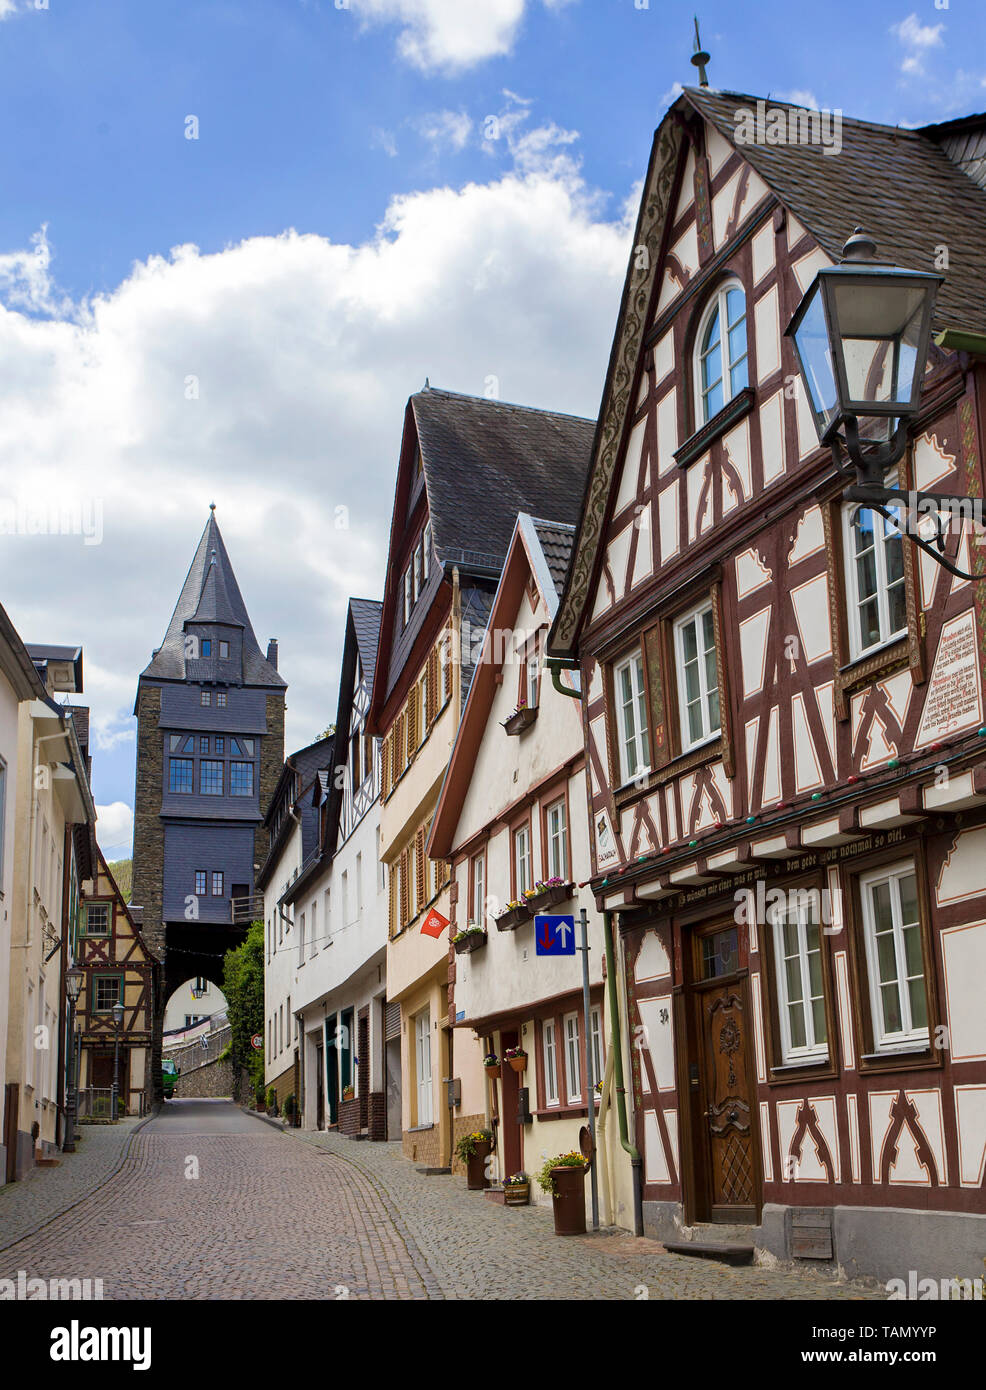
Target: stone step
x=729, y=1252
x=434, y=1172
x=495, y=1194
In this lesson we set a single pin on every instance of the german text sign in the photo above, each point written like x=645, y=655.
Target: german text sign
x=555, y=936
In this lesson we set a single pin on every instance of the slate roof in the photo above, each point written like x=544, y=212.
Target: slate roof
x=557, y=543
x=897, y=183
x=366, y=624
x=485, y=461
x=211, y=594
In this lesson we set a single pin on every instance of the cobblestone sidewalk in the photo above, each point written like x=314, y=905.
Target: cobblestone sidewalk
x=478, y=1249
x=45, y=1193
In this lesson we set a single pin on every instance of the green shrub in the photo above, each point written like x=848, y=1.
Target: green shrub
x=272, y=1100
x=569, y=1160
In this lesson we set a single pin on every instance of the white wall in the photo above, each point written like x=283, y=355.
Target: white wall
x=182, y=1002
x=8, y=754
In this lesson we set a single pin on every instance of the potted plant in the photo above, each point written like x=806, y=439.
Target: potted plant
x=470, y=938
x=491, y=1064
x=271, y=1101
x=522, y=718
x=473, y=1150
x=515, y=912
x=260, y=1096
x=349, y=1092
x=517, y=1190
x=289, y=1108
x=517, y=1058
x=564, y=1178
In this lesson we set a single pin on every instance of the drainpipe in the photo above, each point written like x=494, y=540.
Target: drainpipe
x=556, y=665
x=636, y=1162
x=605, y=1101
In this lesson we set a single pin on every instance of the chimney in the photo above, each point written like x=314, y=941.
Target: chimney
x=272, y=652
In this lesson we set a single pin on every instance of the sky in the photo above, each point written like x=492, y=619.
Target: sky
x=234, y=237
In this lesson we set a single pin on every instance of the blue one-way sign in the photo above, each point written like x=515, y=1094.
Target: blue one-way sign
x=555, y=936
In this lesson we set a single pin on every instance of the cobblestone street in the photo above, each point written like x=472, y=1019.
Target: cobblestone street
x=290, y=1215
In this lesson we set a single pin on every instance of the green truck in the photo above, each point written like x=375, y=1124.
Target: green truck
x=170, y=1071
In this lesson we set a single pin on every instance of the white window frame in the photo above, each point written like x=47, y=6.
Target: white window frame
x=636, y=737
x=422, y=1066
x=573, y=1060
x=327, y=916
x=549, y=1047
x=477, y=900
x=596, y=1042
x=814, y=1048
x=313, y=937
x=696, y=616
x=426, y=553
x=856, y=648
x=718, y=302
x=301, y=939
x=527, y=881
x=909, y=1035
x=407, y=596
x=557, y=837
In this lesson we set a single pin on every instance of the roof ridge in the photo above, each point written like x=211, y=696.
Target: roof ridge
x=500, y=405
x=795, y=106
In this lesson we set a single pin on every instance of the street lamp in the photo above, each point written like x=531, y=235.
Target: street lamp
x=73, y=984
x=117, y=1021
x=861, y=336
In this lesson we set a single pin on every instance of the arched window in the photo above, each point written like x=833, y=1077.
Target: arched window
x=721, y=351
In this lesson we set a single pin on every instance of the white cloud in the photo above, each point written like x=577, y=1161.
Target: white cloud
x=7, y=8
x=115, y=830
x=444, y=129
x=24, y=279
x=800, y=97
x=271, y=378
x=917, y=39
x=383, y=140
x=450, y=35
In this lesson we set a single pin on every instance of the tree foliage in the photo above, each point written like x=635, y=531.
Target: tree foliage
x=243, y=986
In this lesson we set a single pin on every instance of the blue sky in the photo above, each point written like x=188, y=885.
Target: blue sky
x=421, y=247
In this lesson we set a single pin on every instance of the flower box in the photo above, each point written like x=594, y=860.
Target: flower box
x=470, y=941
x=550, y=895
x=518, y=1061
x=516, y=1194
x=512, y=918
x=520, y=720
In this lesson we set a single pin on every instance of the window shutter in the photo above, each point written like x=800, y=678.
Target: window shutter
x=412, y=721
x=419, y=867
x=657, y=704
x=448, y=664
x=392, y=879
x=405, y=887
x=433, y=700
x=398, y=745
x=385, y=767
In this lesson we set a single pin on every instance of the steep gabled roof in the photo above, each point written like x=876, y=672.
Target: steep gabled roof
x=364, y=614
x=211, y=594
x=525, y=558
x=900, y=184
x=484, y=461
x=897, y=183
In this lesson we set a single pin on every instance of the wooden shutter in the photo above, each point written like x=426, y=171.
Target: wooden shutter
x=432, y=686
x=657, y=706
x=405, y=862
x=385, y=767
x=392, y=879
x=420, y=868
x=448, y=663
x=412, y=722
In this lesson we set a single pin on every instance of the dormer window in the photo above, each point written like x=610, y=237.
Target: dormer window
x=721, y=359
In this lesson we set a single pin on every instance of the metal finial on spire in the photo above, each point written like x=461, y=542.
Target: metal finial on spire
x=212, y=506
x=700, y=58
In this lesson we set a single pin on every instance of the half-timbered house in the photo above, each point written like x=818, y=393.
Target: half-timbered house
x=783, y=713
x=118, y=967
x=467, y=467
x=511, y=820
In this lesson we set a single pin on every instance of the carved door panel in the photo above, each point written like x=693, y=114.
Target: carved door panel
x=728, y=1091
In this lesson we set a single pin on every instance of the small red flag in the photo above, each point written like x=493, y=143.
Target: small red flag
x=434, y=924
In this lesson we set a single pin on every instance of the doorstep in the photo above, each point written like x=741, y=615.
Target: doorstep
x=434, y=1172
x=496, y=1194
x=729, y=1254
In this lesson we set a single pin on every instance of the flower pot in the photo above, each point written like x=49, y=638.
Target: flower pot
x=557, y=893
x=518, y=1063
x=472, y=942
x=476, y=1179
x=568, y=1201
x=517, y=1194
x=493, y=1071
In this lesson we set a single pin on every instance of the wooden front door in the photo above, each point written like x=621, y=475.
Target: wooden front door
x=728, y=1170
x=512, y=1135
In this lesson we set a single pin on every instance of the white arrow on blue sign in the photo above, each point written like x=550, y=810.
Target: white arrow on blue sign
x=554, y=936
